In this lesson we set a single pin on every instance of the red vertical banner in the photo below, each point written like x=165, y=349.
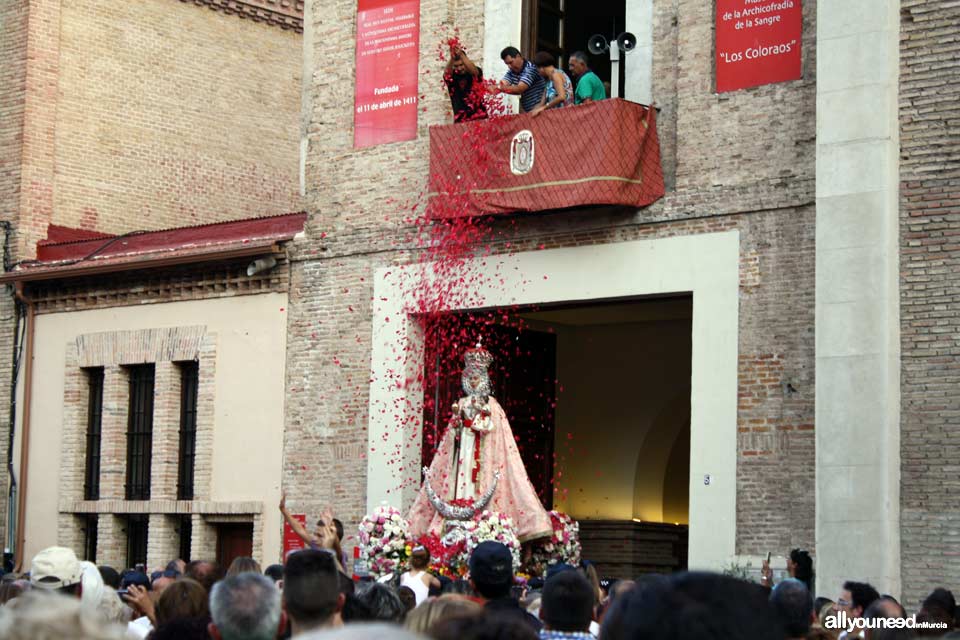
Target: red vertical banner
x=758, y=42
x=388, y=45
x=291, y=541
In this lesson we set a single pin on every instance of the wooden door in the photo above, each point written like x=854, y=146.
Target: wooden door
x=234, y=540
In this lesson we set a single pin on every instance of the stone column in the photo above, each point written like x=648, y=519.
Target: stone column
x=76, y=393
x=113, y=433
x=203, y=545
x=111, y=541
x=166, y=433
x=857, y=296
x=163, y=543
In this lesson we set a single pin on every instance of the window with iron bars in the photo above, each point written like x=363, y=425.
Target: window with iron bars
x=90, y=537
x=189, y=383
x=186, y=533
x=140, y=432
x=91, y=475
x=137, y=529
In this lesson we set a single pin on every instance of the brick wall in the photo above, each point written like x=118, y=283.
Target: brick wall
x=742, y=160
x=156, y=114
x=929, y=297
x=332, y=280
x=13, y=52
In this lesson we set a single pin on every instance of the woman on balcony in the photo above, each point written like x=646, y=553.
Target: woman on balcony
x=559, y=91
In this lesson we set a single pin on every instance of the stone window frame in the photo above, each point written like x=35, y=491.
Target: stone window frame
x=165, y=348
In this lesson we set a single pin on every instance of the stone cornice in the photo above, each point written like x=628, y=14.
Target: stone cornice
x=287, y=14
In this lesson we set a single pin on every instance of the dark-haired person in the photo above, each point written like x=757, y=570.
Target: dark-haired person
x=566, y=607
x=589, y=86
x=206, y=572
x=794, y=605
x=312, y=597
x=464, y=81
x=704, y=606
x=491, y=576
x=418, y=579
x=326, y=535
x=522, y=79
x=854, y=599
x=274, y=572
x=940, y=606
x=799, y=566
x=559, y=89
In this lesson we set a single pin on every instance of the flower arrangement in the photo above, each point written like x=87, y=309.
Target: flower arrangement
x=383, y=540
x=446, y=560
x=563, y=545
x=491, y=525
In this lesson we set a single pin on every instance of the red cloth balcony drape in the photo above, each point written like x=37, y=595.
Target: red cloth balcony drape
x=600, y=153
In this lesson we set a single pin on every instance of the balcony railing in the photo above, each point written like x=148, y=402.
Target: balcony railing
x=600, y=153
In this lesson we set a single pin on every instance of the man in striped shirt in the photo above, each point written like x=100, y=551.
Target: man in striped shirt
x=522, y=79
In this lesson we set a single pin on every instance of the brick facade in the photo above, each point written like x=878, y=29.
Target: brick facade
x=144, y=115
x=929, y=296
x=185, y=124
x=164, y=348
x=734, y=161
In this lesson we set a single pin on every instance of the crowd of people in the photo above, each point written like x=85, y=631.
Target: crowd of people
x=310, y=596
x=540, y=84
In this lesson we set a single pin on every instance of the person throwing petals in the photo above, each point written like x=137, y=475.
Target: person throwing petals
x=323, y=537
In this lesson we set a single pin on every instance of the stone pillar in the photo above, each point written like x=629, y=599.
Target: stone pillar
x=76, y=392
x=113, y=433
x=857, y=296
x=203, y=545
x=111, y=541
x=206, y=398
x=638, y=64
x=163, y=543
x=166, y=433
x=70, y=533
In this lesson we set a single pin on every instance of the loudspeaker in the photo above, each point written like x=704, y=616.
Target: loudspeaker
x=597, y=44
x=626, y=41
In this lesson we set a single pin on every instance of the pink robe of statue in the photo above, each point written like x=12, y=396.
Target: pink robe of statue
x=514, y=497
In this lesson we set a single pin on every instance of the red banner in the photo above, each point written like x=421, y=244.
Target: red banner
x=388, y=42
x=600, y=153
x=291, y=541
x=758, y=42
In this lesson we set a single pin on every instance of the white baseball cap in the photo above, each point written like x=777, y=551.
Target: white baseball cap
x=55, y=568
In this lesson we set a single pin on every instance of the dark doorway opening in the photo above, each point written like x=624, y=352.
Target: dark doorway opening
x=523, y=377
x=564, y=26
x=598, y=397
x=234, y=540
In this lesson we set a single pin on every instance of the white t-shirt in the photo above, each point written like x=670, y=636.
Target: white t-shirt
x=414, y=580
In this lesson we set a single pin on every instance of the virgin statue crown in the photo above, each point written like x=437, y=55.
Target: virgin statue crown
x=477, y=357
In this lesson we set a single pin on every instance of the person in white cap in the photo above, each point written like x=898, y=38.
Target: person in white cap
x=57, y=569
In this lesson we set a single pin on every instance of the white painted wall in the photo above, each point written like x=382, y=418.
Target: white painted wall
x=501, y=28
x=707, y=265
x=638, y=64
x=857, y=296
x=248, y=421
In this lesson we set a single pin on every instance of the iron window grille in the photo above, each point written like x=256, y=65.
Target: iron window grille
x=186, y=533
x=90, y=537
x=137, y=530
x=140, y=432
x=91, y=474
x=189, y=384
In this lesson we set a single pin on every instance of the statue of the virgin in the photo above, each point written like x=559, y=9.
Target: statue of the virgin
x=479, y=442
